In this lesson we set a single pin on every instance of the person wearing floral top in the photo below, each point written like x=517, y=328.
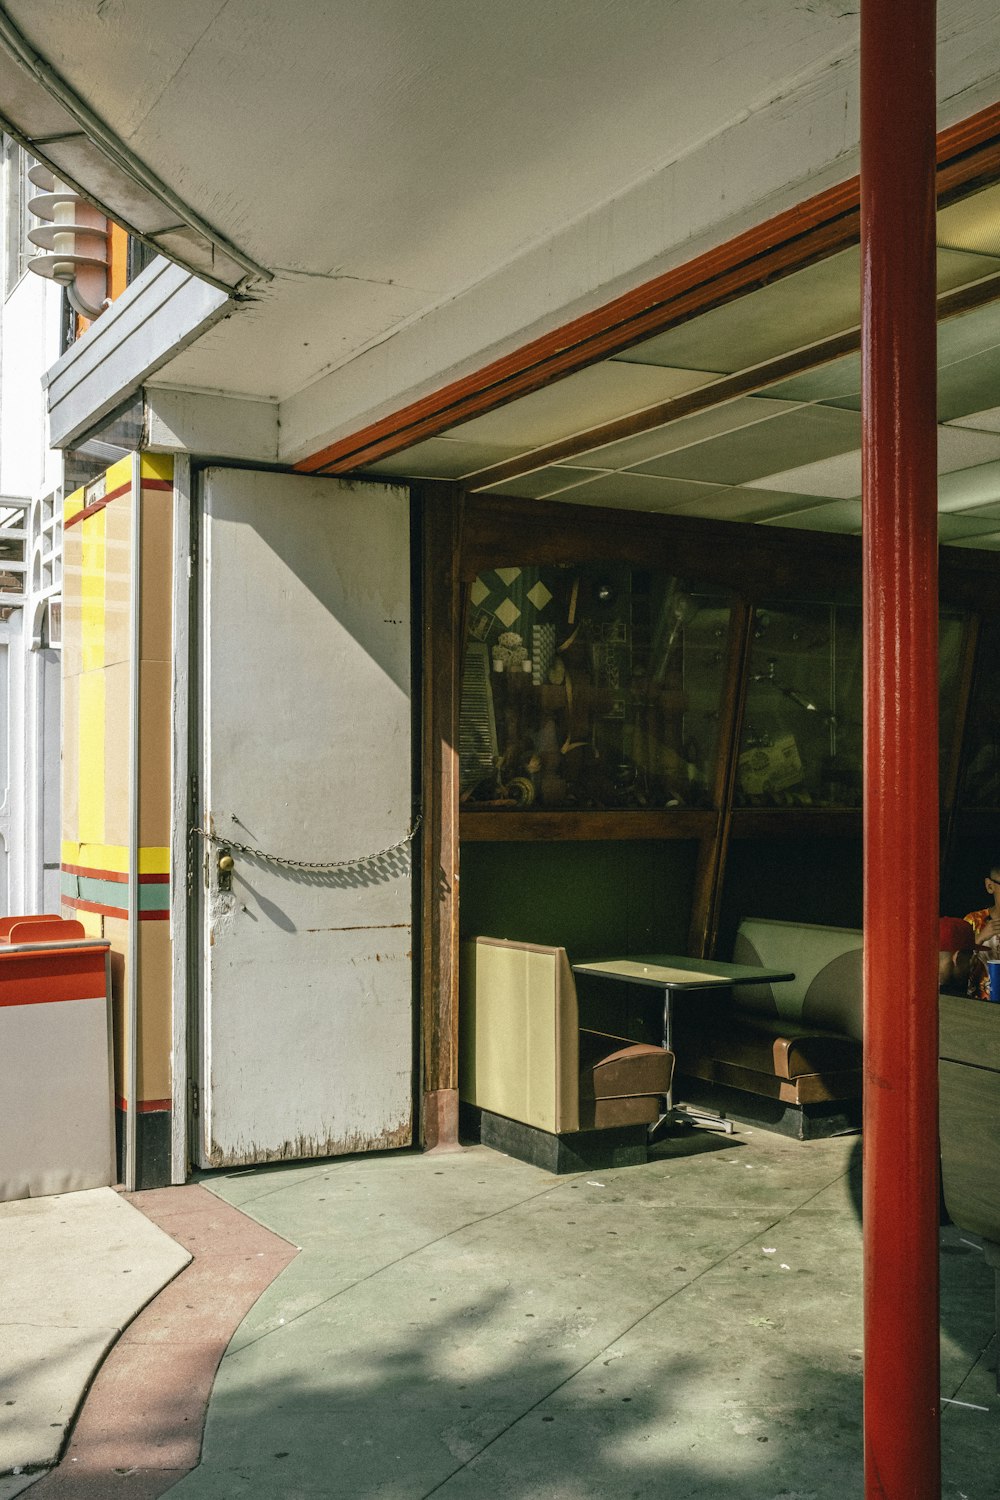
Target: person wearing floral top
x=985, y=926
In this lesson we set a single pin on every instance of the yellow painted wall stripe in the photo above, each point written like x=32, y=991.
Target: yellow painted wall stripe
x=119, y=473
x=73, y=504
x=93, y=564
x=152, y=861
x=91, y=757
x=156, y=466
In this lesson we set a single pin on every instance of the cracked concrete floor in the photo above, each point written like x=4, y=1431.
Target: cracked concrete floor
x=467, y=1326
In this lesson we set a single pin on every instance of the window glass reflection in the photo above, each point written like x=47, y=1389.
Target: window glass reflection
x=590, y=687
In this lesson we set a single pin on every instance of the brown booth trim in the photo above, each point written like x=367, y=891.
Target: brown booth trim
x=968, y=155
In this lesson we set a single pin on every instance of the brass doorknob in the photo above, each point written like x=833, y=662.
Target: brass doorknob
x=226, y=863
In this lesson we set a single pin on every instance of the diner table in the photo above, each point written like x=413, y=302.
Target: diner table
x=677, y=975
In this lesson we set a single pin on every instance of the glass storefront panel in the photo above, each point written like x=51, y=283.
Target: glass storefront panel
x=590, y=687
x=801, y=743
x=981, y=778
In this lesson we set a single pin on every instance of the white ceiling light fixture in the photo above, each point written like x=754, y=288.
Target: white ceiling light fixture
x=75, y=242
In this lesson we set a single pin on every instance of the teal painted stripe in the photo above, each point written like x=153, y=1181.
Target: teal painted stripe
x=152, y=896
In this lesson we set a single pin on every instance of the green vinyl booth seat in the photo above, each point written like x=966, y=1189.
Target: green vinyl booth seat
x=797, y=1043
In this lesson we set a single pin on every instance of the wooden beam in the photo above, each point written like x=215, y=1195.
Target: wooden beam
x=617, y=824
x=440, y=508
x=710, y=871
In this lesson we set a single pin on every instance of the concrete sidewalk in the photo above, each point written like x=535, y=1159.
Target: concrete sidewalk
x=468, y=1326
x=77, y=1268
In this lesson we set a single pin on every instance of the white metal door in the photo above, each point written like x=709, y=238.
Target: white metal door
x=307, y=1026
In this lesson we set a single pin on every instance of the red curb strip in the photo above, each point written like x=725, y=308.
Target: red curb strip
x=140, y=1428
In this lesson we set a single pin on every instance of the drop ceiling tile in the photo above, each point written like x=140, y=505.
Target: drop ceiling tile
x=983, y=421
x=598, y=394
x=953, y=528
x=962, y=387
x=956, y=267
x=971, y=332
x=713, y=422
x=988, y=543
x=541, y=483
x=441, y=458
x=968, y=489
x=801, y=309
x=838, y=478
x=803, y=435
x=635, y=492
x=969, y=362
x=838, y=515
x=968, y=385
x=834, y=380
x=741, y=504
x=962, y=448
x=973, y=223
x=967, y=381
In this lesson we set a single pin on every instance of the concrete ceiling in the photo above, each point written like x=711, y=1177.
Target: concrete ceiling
x=417, y=143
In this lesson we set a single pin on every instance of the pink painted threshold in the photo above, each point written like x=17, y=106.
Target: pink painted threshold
x=140, y=1428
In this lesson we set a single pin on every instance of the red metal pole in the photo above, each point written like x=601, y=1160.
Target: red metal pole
x=902, y=1382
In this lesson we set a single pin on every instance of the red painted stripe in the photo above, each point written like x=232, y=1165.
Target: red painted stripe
x=823, y=223
x=146, y=1106
x=123, y=489
x=91, y=510
x=93, y=874
x=51, y=978
x=115, y=875
x=78, y=904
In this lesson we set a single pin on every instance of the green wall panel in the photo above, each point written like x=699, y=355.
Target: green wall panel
x=792, y=880
x=593, y=899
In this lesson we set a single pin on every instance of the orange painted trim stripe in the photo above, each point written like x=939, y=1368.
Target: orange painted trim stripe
x=123, y=489
x=818, y=226
x=115, y=875
x=145, y=1106
x=79, y=904
x=49, y=979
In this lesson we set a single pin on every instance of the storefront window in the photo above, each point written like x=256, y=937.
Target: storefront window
x=590, y=687
x=981, y=779
x=801, y=740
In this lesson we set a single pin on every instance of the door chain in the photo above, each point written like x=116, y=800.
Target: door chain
x=305, y=864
